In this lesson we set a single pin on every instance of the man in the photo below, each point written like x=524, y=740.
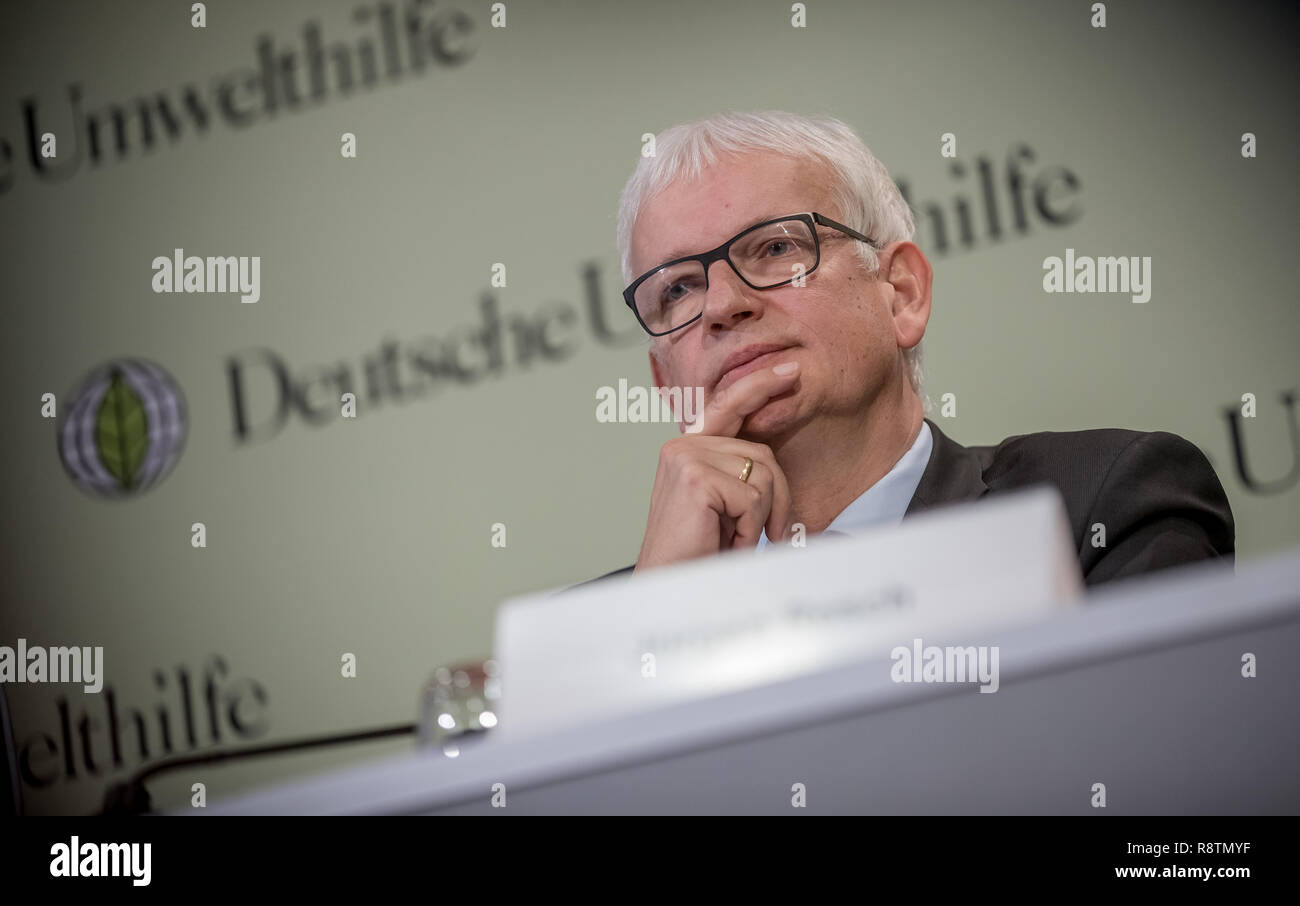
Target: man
x=770, y=258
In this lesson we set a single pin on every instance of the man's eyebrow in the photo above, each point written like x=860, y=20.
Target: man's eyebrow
x=682, y=253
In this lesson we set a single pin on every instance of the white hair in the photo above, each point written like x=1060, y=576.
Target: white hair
x=868, y=199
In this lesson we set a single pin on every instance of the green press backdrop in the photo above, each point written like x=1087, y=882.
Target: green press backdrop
x=479, y=145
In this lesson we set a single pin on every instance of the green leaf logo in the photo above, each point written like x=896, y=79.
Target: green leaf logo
x=121, y=431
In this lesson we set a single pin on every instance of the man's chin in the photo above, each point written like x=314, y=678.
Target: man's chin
x=774, y=421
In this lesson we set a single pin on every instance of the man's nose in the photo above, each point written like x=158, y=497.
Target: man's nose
x=728, y=300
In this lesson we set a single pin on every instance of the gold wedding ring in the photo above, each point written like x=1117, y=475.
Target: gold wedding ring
x=749, y=467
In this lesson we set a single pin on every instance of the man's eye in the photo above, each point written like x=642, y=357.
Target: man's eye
x=675, y=292
x=778, y=243
x=678, y=289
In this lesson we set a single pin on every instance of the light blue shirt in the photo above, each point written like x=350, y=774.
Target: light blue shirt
x=886, y=501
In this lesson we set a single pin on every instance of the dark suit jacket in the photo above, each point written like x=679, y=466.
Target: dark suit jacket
x=1156, y=493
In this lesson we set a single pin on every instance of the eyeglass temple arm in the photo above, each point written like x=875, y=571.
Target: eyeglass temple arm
x=826, y=221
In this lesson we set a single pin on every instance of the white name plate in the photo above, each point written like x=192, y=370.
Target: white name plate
x=746, y=618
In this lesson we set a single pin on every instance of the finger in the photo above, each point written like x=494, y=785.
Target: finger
x=742, y=506
x=748, y=505
x=727, y=409
x=728, y=454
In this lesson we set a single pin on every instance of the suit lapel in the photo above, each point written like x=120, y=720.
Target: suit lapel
x=954, y=473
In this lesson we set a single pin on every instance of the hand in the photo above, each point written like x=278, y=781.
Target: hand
x=699, y=505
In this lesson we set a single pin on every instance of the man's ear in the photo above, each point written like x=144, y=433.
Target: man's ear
x=908, y=271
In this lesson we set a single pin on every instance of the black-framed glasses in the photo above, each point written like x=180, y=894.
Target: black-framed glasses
x=671, y=296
